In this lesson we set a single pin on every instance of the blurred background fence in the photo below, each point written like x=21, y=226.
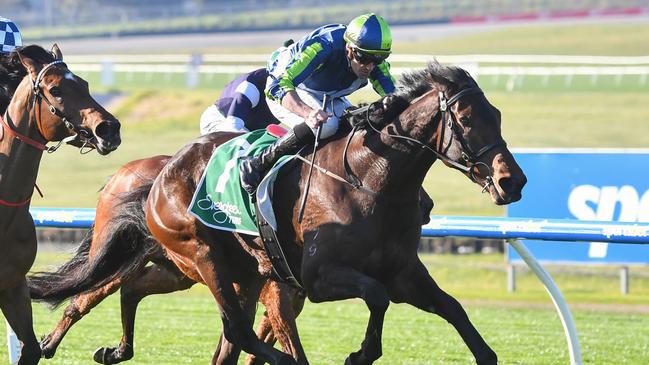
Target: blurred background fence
x=500, y=72
x=74, y=18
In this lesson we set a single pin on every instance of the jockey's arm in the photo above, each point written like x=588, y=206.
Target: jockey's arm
x=381, y=79
x=283, y=89
x=312, y=117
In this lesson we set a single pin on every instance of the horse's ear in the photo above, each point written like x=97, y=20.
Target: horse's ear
x=31, y=66
x=56, y=51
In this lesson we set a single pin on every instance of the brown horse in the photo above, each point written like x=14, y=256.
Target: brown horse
x=49, y=104
x=117, y=224
x=352, y=243
x=116, y=227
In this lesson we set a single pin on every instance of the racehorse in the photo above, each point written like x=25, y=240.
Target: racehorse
x=117, y=217
x=116, y=227
x=351, y=242
x=49, y=104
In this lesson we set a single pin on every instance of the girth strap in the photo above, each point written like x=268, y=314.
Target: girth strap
x=281, y=270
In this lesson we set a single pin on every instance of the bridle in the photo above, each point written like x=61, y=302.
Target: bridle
x=75, y=132
x=448, y=119
x=468, y=155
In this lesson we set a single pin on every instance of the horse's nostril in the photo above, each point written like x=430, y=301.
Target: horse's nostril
x=508, y=185
x=108, y=130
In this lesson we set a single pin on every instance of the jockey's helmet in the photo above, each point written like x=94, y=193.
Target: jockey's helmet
x=9, y=36
x=369, y=33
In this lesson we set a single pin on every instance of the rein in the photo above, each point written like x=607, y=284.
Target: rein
x=39, y=146
x=27, y=140
x=337, y=177
x=38, y=94
x=468, y=155
x=74, y=131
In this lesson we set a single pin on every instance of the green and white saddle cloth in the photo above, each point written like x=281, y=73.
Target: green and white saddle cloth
x=219, y=201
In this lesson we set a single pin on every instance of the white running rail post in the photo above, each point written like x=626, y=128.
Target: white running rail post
x=14, y=345
x=557, y=298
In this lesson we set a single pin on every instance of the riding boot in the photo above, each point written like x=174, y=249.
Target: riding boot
x=252, y=169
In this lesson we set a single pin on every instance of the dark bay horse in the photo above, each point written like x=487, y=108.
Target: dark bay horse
x=49, y=104
x=119, y=226
x=351, y=243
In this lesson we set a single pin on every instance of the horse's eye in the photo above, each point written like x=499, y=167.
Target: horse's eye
x=55, y=92
x=465, y=121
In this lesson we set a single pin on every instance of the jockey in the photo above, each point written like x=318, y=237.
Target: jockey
x=241, y=107
x=9, y=36
x=333, y=60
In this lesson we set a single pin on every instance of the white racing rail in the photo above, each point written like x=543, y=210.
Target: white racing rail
x=510, y=229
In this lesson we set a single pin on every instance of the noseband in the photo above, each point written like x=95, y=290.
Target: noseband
x=448, y=117
x=468, y=155
x=75, y=132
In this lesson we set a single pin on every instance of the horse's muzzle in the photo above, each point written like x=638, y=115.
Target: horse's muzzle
x=510, y=189
x=108, y=136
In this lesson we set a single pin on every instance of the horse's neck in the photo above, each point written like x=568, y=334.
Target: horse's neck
x=387, y=166
x=19, y=161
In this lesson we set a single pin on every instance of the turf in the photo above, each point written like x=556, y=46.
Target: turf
x=522, y=327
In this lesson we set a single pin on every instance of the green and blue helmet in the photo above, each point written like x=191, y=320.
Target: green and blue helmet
x=369, y=33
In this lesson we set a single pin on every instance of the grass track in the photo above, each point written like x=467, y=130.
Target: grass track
x=522, y=327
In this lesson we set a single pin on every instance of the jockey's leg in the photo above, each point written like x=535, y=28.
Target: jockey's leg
x=253, y=169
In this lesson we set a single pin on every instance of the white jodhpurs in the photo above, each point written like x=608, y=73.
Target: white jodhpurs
x=335, y=107
x=212, y=120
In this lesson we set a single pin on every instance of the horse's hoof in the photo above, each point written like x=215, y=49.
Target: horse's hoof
x=490, y=359
x=101, y=355
x=287, y=360
x=47, y=351
x=111, y=355
x=355, y=358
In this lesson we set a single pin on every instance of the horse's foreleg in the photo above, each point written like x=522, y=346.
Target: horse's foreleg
x=418, y=288
x=215, y=269
x=283, y=304
x=228, y=353
x=79, y=306
x=337, y=283
x=17, y=308
x=154, y=279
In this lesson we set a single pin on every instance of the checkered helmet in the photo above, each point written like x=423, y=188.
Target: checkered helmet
x=9, y=36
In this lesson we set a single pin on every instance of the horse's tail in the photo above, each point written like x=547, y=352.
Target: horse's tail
x=128, y=246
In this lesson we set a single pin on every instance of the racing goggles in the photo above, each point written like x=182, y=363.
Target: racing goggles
x=365, y=58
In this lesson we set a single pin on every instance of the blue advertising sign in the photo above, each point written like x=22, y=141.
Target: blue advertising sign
x=593, y=185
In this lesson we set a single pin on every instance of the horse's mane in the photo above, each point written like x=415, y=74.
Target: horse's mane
x=416, y=83
x=12, y=70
